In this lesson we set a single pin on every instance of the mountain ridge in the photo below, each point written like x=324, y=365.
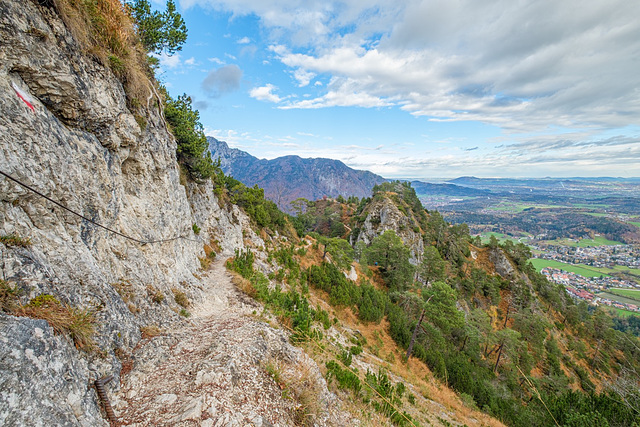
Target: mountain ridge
x=287, y=178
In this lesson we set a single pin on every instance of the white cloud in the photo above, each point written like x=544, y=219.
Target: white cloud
x=303, y=77
x=216, y=61
x=190, y=61
x=232, y=137
x=265, y=93
x=169, y=62
x=244, y=40
x=521, y=66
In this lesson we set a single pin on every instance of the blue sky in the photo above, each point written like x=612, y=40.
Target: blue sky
x=419, y=89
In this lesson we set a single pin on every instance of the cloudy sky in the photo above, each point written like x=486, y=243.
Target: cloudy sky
x=420, y=88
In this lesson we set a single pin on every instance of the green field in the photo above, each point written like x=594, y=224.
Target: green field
x=583, y=270
x=614, y=297
x=637, y=224
x=620, y=312
x=590, y=205
x=583, y=243
x=598, y=241
x=595, y=214
x=628, y=293
x=619, y=269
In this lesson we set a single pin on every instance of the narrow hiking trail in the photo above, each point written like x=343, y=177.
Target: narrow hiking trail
x=213, y=371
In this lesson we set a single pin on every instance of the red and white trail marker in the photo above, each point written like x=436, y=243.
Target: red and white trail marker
x=24, y=96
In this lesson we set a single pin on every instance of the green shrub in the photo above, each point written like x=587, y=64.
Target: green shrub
x=15, y=240
x=263, y=212
x=345, y=357
x=242, y=263
x=346, y=379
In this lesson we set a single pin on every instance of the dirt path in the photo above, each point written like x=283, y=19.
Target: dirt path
x=212, y=372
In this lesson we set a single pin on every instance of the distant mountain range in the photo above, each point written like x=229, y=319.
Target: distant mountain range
x=287, y=178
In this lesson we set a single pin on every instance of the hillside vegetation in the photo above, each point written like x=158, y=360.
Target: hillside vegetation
x=480, y=317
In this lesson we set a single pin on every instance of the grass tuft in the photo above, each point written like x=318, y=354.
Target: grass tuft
x=156, y=294
x=79, y=324
x=180, y=298
x=9, y=295
x=150, y=331
x=15, y=240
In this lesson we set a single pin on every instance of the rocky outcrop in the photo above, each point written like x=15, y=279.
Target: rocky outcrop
x=382, y=215
x=503, y=265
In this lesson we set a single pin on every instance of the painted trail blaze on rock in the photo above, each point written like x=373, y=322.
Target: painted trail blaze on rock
x=24, y=97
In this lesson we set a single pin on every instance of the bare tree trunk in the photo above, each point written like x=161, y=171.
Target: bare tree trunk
x=495, y=368
x=506, y=316
x=415, y=333
x=487, y=354
x=464, y=342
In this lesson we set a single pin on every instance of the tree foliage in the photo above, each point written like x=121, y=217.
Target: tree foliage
x=432, y=266
x=392, y=257
x=193, y=148
x=158, y=31
x=263, y=212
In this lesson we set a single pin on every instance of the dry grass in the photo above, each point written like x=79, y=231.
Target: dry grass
x=9, y=295
x=104, y=29
x=155, y=294
x=243, y=284
x=180, y=298
x=205, y=262
x=150, y=331
x=79, y=324
x=210, y=250
x=125, y=290
x=298, y=383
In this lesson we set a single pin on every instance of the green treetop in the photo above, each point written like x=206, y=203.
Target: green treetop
x=158, y=32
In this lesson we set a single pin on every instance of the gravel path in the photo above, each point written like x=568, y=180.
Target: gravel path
x=213, y=371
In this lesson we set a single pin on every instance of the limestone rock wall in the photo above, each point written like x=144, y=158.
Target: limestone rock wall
x=82, y=147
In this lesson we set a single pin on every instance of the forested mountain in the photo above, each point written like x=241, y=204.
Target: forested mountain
x=480, y=317
x=285, y=179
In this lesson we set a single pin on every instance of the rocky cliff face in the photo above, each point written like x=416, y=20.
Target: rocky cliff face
x=287, y=178
x=383, y=215
x=81, y=146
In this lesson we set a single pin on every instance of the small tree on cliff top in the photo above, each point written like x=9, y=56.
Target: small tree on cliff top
x=158, y=32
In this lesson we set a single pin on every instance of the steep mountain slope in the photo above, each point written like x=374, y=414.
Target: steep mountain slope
x=287, y=178
x=80, y=303
x=480, y=317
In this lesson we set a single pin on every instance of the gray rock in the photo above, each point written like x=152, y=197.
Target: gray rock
x=83, y=147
